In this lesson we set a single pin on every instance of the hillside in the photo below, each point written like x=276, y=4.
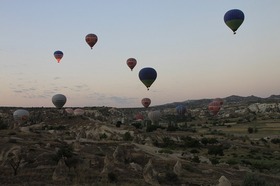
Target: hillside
x=108, y=146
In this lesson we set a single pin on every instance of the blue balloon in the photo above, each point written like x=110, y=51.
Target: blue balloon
x=147, y=75
x=181, y=110
x=233, y=19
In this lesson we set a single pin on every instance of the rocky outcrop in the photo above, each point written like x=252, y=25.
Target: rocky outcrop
x=150, y=174
x=177, y=169
x=223, y=181
x=61, y=171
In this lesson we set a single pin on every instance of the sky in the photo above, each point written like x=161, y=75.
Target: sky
x=195, y=54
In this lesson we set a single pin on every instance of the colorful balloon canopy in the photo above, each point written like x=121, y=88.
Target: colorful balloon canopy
x=79, y=112
x=139, y=117
x=21, y=115
x=181, y=110
x=91, y=39
x=58, y=55
x=154, y=116
x=147, y=75
x=214, y=107
x=233, y=19
x=220, y=100
x=69, y=111
x=59, y=100
x=146, y=102
x=131, y=63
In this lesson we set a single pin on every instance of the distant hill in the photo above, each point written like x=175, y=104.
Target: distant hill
x=233, y=99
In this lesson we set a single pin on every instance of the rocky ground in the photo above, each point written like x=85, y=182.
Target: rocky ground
x=56, y=149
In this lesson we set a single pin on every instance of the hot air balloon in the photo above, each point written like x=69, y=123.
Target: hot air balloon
x=154, y=116
x=79, y=112
x=214, y=107
x=181, y=110
x=147, y=75
x=59, y=100
x=58, y=55
x=146, y=102
x=91, y=39
x=21, y=115
x=139, y=117
x=131, y=63
x=69, y=111
x=221, y=101
x=233, y=19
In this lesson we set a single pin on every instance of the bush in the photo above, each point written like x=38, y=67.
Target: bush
x=137, y=125
x=112, y=177
x=3, y=125
x=216, y=150
x=196, y=159
x=253, y=180
x=166, y=151
x=171, y=177
x=127, y=136
x=214, y=161
x=250, y=130
x=275, y=141
x=118, y=124
x=103, y=136
x=64, y=151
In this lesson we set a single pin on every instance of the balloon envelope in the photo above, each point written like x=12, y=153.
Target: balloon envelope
x=79, y=112
x=21, y=115
x=91, y=39
x=233, y=19
x=58, y=55
x=69, y=111
x=59, y=100
x=220, y=100
x=139, y=117
x=146, y=102
x=181, y=110
x=147, y=75
x=131, y=63
x=154, y=116
x=214, y=107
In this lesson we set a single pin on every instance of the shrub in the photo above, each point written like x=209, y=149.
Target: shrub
x=196, y=159
x=214, y=161
x=194, y=151
x=118, y=124
x=250, y=130
x=166, y=151
x=112, y=177
x=64, y=151
x=171, y=177
x=253, y=180
x=103, y=136
x=137, y=125
x=275, y=140
x=3, y=125
x=171, y=128
x=216, y=150
x=127, y=136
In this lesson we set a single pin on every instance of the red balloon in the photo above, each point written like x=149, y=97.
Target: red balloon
x=91, y=39
x=131, y=63
x=146, y=102
x=220, y=100
x=139, y=116
x=214, y=107
x=58, y=55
